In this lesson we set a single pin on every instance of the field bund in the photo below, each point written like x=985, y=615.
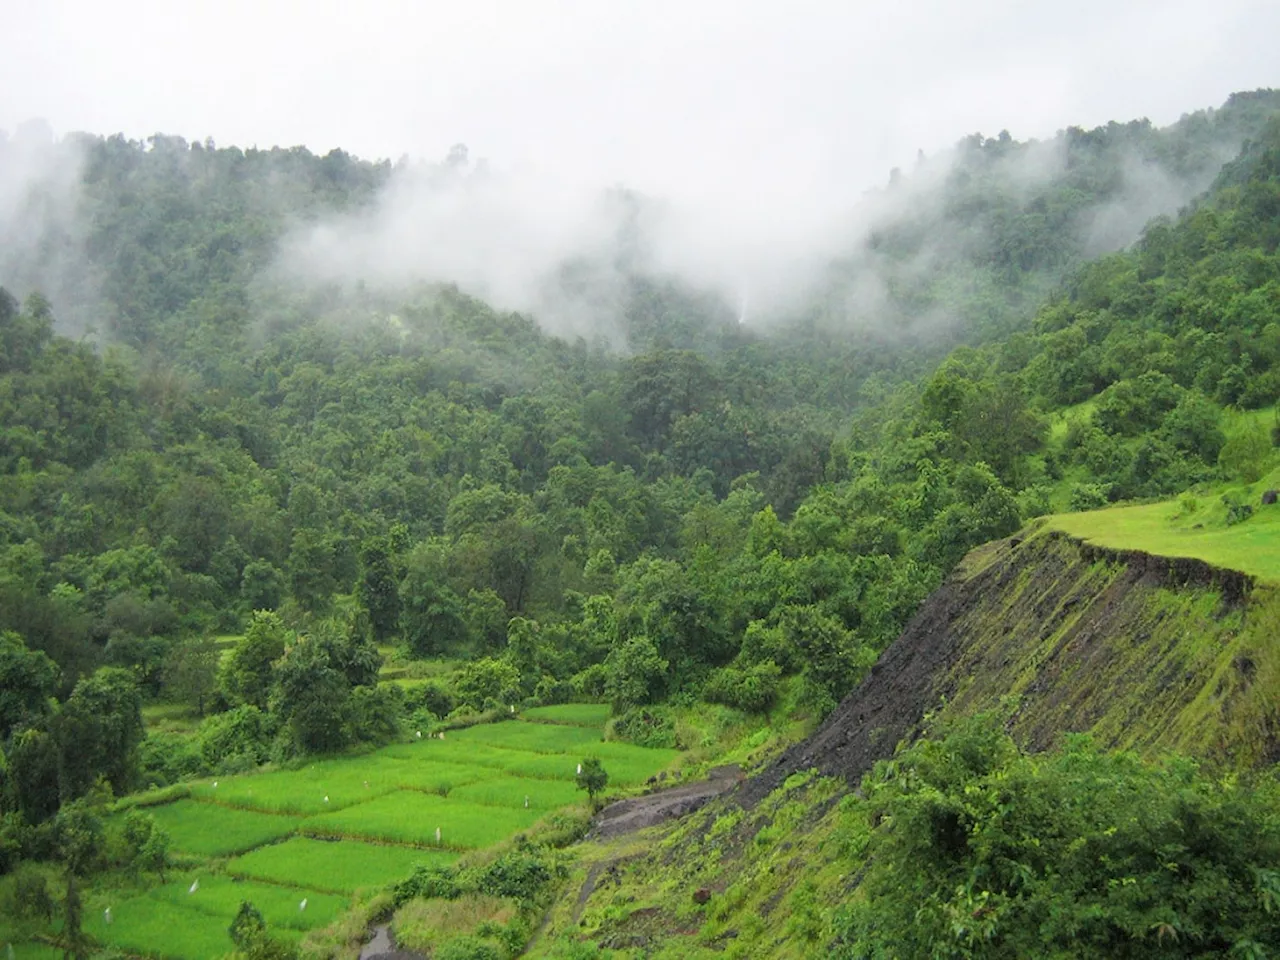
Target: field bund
x=299, y=843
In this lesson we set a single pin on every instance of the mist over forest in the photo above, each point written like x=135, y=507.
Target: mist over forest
x=656, y=461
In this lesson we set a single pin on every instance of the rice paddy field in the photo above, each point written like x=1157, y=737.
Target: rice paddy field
x=299, y=843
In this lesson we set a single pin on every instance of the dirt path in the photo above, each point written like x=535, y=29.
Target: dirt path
x=627, y=816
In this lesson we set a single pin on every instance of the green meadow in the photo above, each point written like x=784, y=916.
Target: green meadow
x=334, y=866
x=574, y=714
x=411, y=817
x=328, y=829
x=209, y=830
x=1194, y=525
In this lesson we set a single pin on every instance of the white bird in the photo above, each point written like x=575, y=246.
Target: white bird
x=579, y=768
x=303, y=904
x=437, y=836
x=441, y=734
x=419, y=734
x=513, y=708
x=215, y=784
x=326, y=798
x=195, y=885
x=526, y=801
x=106, y=915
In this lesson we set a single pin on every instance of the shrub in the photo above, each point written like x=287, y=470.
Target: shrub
x=428, y=882
x=519, y=874
x=645, y=727
x=1087, y=496
x=976, y=849
x=752, y=689
x=238, y=739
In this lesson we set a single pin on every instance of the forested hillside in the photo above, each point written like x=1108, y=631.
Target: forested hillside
x=697, y=511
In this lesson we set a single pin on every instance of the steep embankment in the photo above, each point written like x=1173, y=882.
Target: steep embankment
x=1053, y=633
x=1145, y=652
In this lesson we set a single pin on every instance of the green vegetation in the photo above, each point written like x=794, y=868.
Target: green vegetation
x=409, y=552
x=1199, y=525
x=344, y=867
x=411, y=817
x=208, y=830
x=576, y=714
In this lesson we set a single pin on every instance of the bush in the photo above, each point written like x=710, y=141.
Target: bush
x=1087, y=496
x=519, y=874
x=30, y=897
x=645, y=727
x=436, y=699
x=468, y=948
x=238, y=739
x=428, y=882
x=752, y=689
x=975, y=849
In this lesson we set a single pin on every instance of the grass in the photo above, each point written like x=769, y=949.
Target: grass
x=150, y=927
x=30, y=950
x=425, y=924
x=1192, y=526
x=513, y=791
x=411, y=817
x=209, y=830
x=220, y=896
x=345, y=781
x=576, y=714
x=343, y=867
x=628, y=765
x=170, y=718
x=531, y=737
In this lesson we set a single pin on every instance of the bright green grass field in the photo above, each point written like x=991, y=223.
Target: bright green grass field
x=411, y=817
x=513, y=791
x=344, y=781
x=220, y=897
x=531, y=737
x=1167, y=529
x=343, y=867
x=594, y=715
x=627, y=764
x=149, y=927
x=36, y=951
x=209, y=830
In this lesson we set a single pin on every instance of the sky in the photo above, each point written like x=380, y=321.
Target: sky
x=693, y=97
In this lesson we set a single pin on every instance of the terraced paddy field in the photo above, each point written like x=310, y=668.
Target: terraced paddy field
x=332, y=828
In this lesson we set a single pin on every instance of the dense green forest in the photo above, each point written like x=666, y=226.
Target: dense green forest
x=706, y=512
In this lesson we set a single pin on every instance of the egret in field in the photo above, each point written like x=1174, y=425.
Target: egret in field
x=303, y=905
x=579, y=768
x=215, y=784
x=437, y=836
x=195, y=885
x=419, y=734
x=526, y=801
x=326, y=798
x=106, y=915
x=513, y=708
x=441, y=734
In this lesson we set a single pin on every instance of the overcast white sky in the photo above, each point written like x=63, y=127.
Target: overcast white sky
x=665, y=95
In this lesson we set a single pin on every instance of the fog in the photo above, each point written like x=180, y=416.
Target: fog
x=759, y=136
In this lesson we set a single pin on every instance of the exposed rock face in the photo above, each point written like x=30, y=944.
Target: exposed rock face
x=1055, y=636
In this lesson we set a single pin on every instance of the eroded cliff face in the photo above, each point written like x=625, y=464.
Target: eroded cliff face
x=1058, y=636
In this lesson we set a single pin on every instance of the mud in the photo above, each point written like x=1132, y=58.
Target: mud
x=627, y=816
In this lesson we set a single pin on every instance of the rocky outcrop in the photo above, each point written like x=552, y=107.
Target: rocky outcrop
x=1053, y=635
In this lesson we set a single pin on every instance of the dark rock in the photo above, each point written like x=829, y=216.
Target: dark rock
x=701, y=895
x=1269, y=497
